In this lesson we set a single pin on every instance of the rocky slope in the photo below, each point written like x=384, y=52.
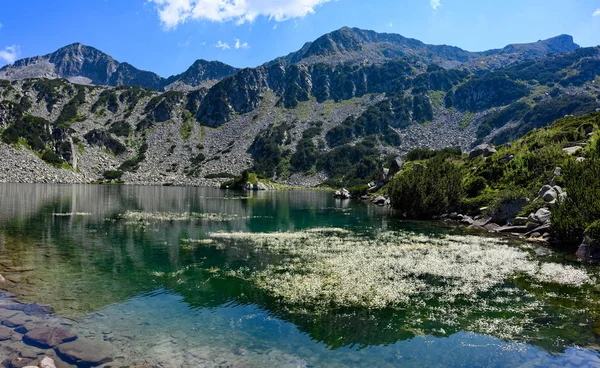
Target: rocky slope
x=313, y=117
x=362, y=46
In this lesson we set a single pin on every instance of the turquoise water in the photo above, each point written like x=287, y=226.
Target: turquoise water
x=142, y=268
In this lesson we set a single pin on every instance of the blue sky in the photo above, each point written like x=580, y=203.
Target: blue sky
x=167, y=36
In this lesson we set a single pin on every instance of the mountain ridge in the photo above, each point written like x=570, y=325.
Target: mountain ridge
x=86, y=64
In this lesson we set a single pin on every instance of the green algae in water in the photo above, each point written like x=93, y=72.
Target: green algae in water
x=291, y=278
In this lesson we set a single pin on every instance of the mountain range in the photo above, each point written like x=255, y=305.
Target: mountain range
x=84, y=64
x=334, y=112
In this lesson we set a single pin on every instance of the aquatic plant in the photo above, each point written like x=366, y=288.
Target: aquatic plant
x=324, y=268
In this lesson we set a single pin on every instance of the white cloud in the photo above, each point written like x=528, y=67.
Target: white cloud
x=241, y=45
x=10, y=53
x=1, y=25
x=435, y=4
x=596, y=13
x=175, y=12
x=222, y=45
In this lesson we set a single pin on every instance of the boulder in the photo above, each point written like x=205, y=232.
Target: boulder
x=572, y=150
x=491, y=227
x=396, y=166
x=550, y=196
x=540, y=229
x=580, y=160
x=85, y=353
x=542, y=216
x=380, y=201
x=342, y=194
x=589, y=250
x=16, y=321
x=483, y=150
x=261, y=186
x=512, y=229
x=5, y=333
x=48, y=337
x=509, y=209
x=47, y=362
x=466, y=220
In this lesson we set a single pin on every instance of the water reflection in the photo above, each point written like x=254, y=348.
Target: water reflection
x=69, y=247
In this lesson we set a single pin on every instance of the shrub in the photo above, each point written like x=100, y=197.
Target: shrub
x=473, y=186
x=112, y=174
x=425, y=191
x=574, y=215
x=359, y=190
x=593, y=231
x=52, y=158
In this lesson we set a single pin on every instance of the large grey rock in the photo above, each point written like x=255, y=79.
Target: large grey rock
x=509, y=209
x=49, y=337
x=380, y=201
x=261, y=186
x=396, y=166
x=484, y=150
x=5, y=333
x=86, y=353
x=542, y=216
x=512, y=229
x=572, y=150
x=589, y=250
x=17, y=320
x=550, y=196
x=342, y=194
x=47, y=362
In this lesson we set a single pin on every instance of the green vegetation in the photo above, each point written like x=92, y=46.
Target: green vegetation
x=49, y=90
x=69, y=113
x=133, y=164
x=112, y=175
x=120, y=128
x=436, y=182
x=186, y=129
x=576, y=215
x=108, y=99
x=269, y=150
x=52, y=158
x=425, y=190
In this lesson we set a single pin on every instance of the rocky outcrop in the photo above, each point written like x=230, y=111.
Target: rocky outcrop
x=483, y=150
x=342, y=194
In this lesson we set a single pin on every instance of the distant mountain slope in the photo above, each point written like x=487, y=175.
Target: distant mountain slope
x=319, y=116
x=199, y=73
x=361, y=46
x=87, y=65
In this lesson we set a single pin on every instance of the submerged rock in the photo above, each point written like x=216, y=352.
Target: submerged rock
x=85, y=353
x=49, y=337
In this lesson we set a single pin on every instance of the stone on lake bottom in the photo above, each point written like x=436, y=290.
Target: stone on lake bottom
x=84, y=352
x=48, y=337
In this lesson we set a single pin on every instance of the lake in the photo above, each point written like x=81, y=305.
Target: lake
x=176, y=276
